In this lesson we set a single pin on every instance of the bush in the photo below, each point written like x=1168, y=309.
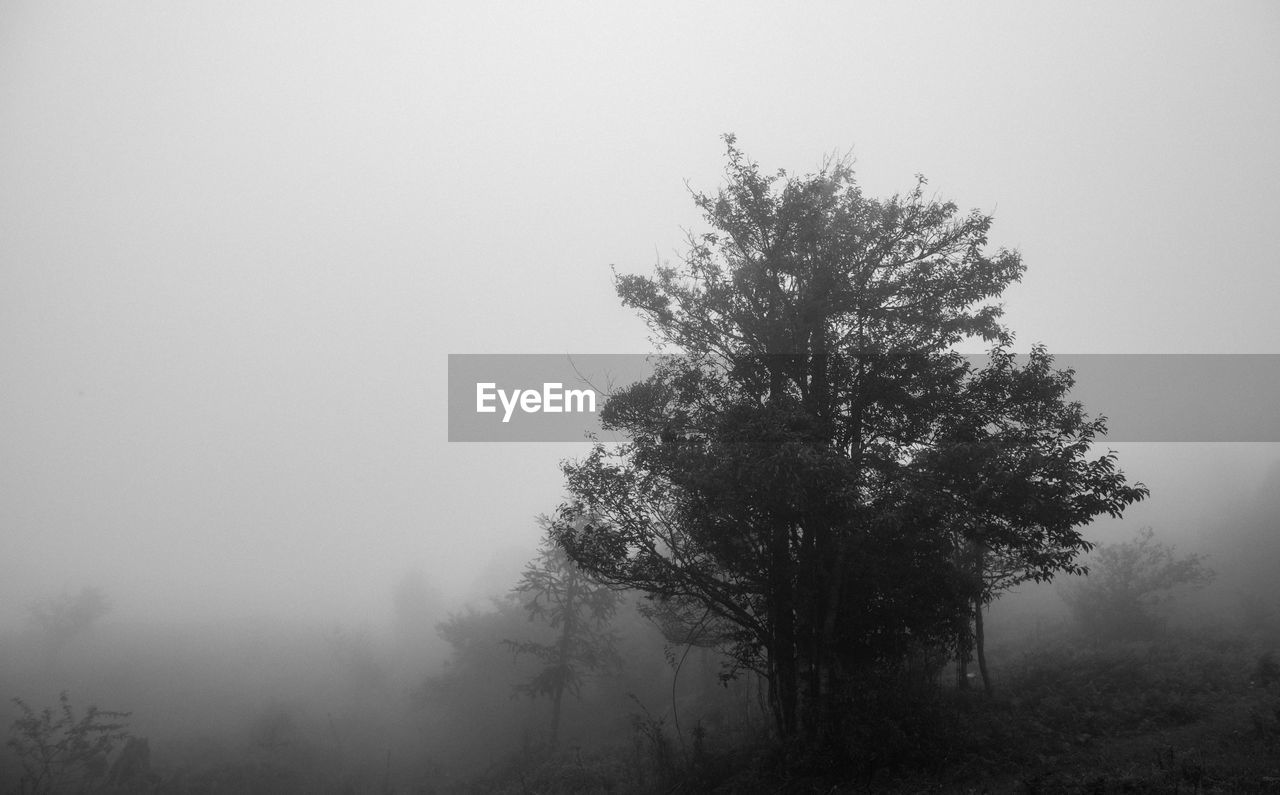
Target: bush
x=1127, y=583
x=57, y=751
x=1127, y=688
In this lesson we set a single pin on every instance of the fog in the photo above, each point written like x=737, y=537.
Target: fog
x=238, y=242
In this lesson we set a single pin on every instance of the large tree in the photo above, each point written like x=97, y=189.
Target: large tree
x=820, y=474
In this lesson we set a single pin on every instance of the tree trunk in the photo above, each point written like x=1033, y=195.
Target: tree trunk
x=980, y=643
x=964, y=653
x=786, y=692
x=783, y=649
x=566, y=639
x=555, y=717
x=979, y=638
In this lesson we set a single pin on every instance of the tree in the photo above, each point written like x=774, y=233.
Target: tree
x=61, y=618
x=1128, y=582
x=561, y=595
x=812, y=471
x=472, y=717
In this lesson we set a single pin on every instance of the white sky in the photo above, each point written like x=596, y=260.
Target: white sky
x=238, y=240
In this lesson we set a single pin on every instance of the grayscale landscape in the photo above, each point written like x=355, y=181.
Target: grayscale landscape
x=860, y=530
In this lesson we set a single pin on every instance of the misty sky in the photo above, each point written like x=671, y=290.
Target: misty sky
x=238, y=241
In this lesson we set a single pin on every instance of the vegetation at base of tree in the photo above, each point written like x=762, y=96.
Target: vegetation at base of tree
x=1190, y=710
x=1125, y=716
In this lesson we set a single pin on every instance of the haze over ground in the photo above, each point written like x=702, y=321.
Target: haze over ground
x=238, y=241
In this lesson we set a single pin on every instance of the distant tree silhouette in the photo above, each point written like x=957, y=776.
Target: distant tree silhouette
x=1126, y=584
x=555, y=591
x=63, y=617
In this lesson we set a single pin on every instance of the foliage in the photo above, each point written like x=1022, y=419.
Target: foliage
x=467, y=705
x=57, y=750
x=1174, y=715
x=808, y=478
x=563, y=597
x=473, y=711
x=61, y=618
x=1126, y=687
x=1127, y=582
x=652, y=743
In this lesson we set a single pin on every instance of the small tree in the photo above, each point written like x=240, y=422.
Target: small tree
x=561, y=595
x=1127, y=583
x=60, y=618
x=59, y=751
x=472, y=717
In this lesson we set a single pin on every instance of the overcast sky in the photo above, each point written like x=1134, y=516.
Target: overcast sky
x=238, y=241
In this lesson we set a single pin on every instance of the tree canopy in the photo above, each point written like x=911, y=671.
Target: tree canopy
x=819, y=474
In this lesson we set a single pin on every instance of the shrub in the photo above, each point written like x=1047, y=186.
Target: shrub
x=1126, y=584
x=58, y=751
